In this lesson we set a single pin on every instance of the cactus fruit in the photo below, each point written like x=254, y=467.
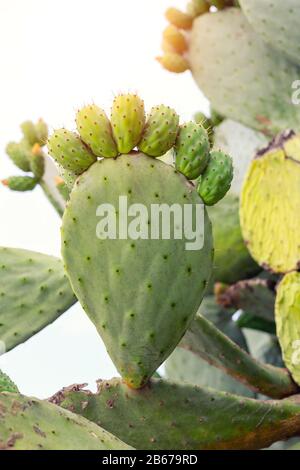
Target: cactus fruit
x=277, y=23
x=37, y=161
x=139, y=331
x=20, y=183
x=70, y=152
x=270, y=205
x=216, y=180
x=95, y=130
x=6, y=384
x=128, y=121
x=288, y=322
x=208, y=420
x=19, y=153
x=232, y=260
x=160, y=131
x=173, y=62
x=192, y=150
x=31, y=424
x=35, y=133
x=179, y=19
x=34, y=291
x=174, y=39
x=62, y=188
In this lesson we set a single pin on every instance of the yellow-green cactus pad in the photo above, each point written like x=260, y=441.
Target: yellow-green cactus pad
x=288, y=322
x=270, y=205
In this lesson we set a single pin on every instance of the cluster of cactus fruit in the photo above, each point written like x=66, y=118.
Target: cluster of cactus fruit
x=203, y=313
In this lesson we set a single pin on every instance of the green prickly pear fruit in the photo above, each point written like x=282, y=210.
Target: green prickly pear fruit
x=42, y=132
x=160, y=132
x=19, y=153
x=29, y=132
x=95, y=130
x=62, y=188
x=70, y=152
x=192, y=150
x=37, y=161
x=128, y=121
x=197, y=7
x=20, y=183
x=287, y=314
x=216, y=180
x=141, y=291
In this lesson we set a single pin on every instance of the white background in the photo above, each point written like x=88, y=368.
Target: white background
x=57, y=55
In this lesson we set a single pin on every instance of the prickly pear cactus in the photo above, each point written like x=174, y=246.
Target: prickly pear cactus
x=132, y=326
x=288, y=322
x=277, y=22
x=270, y=205
x=102, y=257
x=226, y=55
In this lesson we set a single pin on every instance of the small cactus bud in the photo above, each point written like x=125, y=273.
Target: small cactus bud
x=42, y=132
x=20, y=183
x=179, y=19
x=192, y=150
x=37, y=161
x=19, y=154
x=29, y=132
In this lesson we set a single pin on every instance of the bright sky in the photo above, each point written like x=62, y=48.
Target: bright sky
x=57, y=55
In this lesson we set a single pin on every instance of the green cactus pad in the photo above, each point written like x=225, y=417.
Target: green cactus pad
x=277, y=22
x=184, y=366
x=210, y=344
x=140, y=294
x=31, y=424
x=216, y=180
x=6, y=384
x=128, y=121
x=34, y=291
x=232, y=260
x=192, y=150
x=270, y=205
x=254, y=296
x=160, y=132
x=69, y=151
x=19, y=154
x=228, y=67
x=169, y=416
x=20, y=183
x=95, y=130
x=288, y=322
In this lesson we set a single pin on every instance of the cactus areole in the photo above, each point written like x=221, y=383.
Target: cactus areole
x=136, y=237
